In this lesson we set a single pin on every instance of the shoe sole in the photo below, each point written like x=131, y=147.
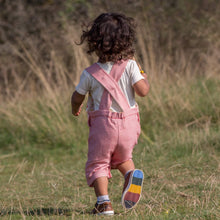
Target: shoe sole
x=132, y=193
x=106, y=213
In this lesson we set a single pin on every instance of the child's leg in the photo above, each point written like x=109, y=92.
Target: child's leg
x=101, y=186
x=103, y=205
x=126, y=166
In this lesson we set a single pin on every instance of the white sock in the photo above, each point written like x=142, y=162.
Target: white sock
x=102, y=199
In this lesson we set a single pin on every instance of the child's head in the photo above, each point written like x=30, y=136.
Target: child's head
x=111, y=37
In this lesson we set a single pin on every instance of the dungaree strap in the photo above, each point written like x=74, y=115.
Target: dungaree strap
x=116, y=72
x=110, y=84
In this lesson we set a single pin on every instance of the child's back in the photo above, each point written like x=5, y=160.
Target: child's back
x=88, y=83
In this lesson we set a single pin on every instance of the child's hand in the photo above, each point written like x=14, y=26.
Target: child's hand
x=76, y=103
x=79, y=111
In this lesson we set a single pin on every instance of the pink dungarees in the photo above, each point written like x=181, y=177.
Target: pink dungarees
x=112, y=135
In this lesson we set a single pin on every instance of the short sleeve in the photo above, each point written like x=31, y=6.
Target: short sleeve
x=84, y=84
x=135, y=72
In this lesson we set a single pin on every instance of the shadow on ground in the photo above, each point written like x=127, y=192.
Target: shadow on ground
x=44, y=212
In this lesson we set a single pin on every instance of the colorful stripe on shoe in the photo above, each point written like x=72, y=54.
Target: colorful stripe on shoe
x=132, y=192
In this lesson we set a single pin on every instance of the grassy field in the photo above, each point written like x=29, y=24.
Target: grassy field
x=43, y=148
x=43, y=153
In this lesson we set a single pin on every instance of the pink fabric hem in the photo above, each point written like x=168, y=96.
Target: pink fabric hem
x=91, y=180
x=114, y=166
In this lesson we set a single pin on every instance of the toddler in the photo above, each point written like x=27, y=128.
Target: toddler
x=113, y=116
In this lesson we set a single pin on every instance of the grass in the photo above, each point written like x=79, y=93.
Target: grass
x=43, y=154
x=43, y=148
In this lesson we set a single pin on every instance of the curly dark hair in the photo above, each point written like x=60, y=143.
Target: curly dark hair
x=111, y=36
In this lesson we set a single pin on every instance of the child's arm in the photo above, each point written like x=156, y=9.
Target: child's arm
x=76, y=103
x=142, y=86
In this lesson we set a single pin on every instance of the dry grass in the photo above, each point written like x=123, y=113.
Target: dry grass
x=43, y=148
